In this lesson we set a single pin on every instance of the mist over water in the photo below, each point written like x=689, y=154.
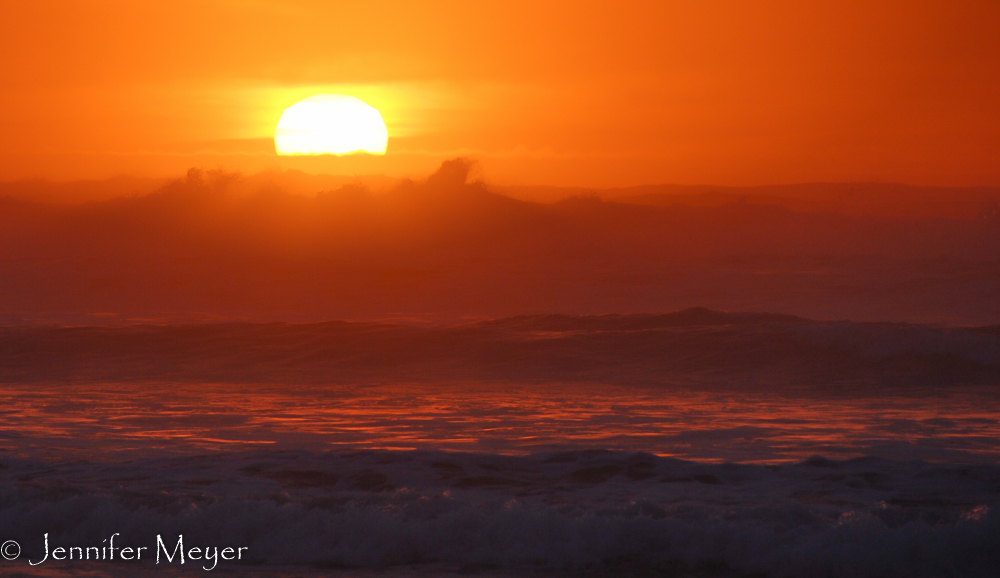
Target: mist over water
x=217, y=246
x=718, y=296
x=168, y=366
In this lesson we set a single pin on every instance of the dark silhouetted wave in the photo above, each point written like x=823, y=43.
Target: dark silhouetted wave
x=611, y=348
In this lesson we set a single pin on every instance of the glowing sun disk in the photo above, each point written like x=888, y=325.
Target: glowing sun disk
x=330, y=124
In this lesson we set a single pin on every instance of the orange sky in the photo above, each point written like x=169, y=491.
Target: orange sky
x=566, y=93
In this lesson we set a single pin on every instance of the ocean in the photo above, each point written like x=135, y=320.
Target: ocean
x=696, y=443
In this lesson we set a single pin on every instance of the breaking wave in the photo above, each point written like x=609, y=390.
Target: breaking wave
x=604, y=512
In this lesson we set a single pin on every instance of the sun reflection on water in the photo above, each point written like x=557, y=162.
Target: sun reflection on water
x=513, y=419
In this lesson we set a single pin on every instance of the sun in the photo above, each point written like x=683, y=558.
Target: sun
x=330, y=124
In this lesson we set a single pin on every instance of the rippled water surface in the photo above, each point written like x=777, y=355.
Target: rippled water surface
x=955, y=424
x=517, y=480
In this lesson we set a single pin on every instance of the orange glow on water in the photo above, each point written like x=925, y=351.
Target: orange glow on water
x=699, y=425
